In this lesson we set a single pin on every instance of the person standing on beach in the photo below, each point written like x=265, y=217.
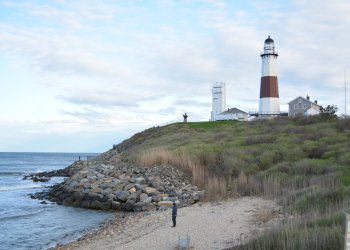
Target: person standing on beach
x=174, y=214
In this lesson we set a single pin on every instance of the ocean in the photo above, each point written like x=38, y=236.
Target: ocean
x=26, y=223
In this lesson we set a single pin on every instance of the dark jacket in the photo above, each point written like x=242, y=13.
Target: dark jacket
x=174, y=211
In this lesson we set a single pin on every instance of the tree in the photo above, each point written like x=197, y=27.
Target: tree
x=328, y=112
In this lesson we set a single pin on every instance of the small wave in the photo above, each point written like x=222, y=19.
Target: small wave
x=13, y=217
x=4, y=173
x=7, y=188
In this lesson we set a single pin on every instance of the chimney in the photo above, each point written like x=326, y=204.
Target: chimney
x=315, y=101
x=308, y=97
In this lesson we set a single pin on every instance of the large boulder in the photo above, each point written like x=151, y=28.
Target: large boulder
x=129, y=186
x=101, y=205
x=149, y=190
x=128, y=206
x=143, y=197
x=147, y=200
x=107, y=191
x=133, y=197
x=96, y=190
x=121, y=195
x=115, y=205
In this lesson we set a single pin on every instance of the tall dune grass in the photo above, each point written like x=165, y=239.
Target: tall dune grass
x=215, y=186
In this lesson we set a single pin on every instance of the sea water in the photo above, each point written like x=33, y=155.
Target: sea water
x=26, y=223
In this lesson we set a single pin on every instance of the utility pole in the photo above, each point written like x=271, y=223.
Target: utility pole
x=345, y=89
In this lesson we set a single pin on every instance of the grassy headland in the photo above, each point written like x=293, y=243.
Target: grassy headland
x=302, y=162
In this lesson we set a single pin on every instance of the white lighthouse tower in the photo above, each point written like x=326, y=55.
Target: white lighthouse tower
x=219, y=99
x=269, y=97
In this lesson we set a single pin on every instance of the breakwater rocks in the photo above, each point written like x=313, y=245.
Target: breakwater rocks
x=46, y=176
x=123, y=186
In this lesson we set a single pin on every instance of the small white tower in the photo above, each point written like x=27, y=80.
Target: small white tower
x=269, y=97
x=219, y=99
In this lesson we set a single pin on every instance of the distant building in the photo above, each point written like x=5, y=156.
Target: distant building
x=233, y=114
x=219, y=111
x=219, y=99
x=303, y=106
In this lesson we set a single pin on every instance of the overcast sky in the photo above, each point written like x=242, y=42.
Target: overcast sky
x=80, y=76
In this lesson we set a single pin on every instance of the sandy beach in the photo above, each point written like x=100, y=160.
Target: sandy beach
x=211, y=225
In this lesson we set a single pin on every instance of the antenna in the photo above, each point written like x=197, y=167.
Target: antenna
x=345, y=89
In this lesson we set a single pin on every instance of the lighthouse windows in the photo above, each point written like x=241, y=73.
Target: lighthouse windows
x=304, y=106
x=295, y=106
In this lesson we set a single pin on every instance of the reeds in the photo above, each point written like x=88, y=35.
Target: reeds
x=215, y=186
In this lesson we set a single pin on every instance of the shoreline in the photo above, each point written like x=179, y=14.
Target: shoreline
x=213, y=225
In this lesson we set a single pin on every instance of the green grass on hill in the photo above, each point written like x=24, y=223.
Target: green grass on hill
x=211, y=124
x=302, y=162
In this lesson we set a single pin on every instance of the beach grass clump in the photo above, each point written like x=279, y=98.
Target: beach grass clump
x=298, y=237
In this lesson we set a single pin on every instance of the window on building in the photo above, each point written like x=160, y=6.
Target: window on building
x=295, y=106
x=304, y=106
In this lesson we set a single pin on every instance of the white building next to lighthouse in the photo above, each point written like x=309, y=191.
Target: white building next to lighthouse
x=219, y=111
x=219, y=99
x=269, y=96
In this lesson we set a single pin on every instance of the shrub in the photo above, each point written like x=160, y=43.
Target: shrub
x=259, y=139
x=343, y=124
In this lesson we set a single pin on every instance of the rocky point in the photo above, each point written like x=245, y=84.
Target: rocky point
x=108, y=183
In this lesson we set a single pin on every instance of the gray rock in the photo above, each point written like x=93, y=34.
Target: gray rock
x=156, y=198
x=144, y=196
x=141, y=180
x=95, y=196
x=138, y=187
x=133, y=197
x=86, y=204
x=138, y=207
x=100, y=176
x=101, y=205
x=107, y=191
x=78, y=195
x=110, y=196
x=149, y=207
x=73, y=184
x=149, y=190
x=84, y=181
x=115, y=205
x=129, y=186
x=127, y=207
x=148, y=200
x=166, y=198
x=132, y=179
x=87, y=185
x=121, y=195
x=77, y=202
x=96, y=190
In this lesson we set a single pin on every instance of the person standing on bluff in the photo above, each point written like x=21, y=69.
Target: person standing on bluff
x=174, y=214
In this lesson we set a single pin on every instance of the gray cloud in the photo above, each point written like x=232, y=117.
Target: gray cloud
x=101, y=99
x=193, y=103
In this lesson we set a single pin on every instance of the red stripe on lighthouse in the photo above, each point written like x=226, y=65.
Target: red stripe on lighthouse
x=269, y=86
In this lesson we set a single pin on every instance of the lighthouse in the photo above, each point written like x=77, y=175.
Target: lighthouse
x=269, y=98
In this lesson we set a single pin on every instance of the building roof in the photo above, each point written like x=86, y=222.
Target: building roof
x=233, y=111
x=269, y=40
x=304, y=99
